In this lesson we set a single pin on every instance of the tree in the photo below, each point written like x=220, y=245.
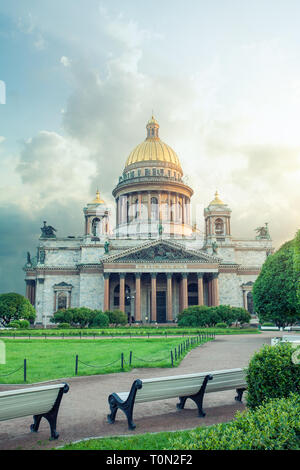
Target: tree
x=15, y=307
x=275, y=290
x=297, y=263
x=241, y=315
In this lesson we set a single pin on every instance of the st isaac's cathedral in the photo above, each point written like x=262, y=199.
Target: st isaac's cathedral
x=154, y=263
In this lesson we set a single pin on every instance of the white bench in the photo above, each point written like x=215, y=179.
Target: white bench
x=40, y=402
x=191, y=386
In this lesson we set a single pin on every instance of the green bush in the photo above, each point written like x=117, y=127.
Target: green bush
x=274, y=425
x=272, y=374
x=221, y=325
x=117, y=317
x=64, y=325
x=24, y=324
x=100, y=320
x=14, y=324
x=198, y=315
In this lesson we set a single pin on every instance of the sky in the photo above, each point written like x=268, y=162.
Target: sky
x=79, y=80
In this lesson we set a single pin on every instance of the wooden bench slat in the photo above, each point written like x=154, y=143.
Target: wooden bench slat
x=27, y=404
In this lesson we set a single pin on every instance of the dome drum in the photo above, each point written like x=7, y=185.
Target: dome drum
x=150, y=192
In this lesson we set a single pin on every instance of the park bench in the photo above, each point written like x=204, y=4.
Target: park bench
x=43, y=401
x=191, y=386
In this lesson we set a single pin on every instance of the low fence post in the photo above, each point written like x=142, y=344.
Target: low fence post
x=172, y=359
x=175, y=355
x=122, y=361
x=76, y=365
x=130, y=358
x=25, y=370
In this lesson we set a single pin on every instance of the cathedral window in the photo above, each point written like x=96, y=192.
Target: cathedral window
x=219, y=226
x=62, y=300
x=192, y=294
x=154, y=208
x=154, y=172
x=147, y=172
x=95, y=226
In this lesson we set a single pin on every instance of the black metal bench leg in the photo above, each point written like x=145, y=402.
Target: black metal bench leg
x=181, y=403
x=36, y=423
x=240, y=392
x=113, y=411
x=52, y=419
x=197, y=398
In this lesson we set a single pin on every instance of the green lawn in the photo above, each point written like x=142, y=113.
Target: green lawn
x=155, y=441
x=138, y=331
x=55, y=358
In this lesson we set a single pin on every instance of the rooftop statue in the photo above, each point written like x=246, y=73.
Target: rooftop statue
x=263, y=232
x=48, y=231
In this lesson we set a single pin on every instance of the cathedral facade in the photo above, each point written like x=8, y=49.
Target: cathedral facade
x=154, y=262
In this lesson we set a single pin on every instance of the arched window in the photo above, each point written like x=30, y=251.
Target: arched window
x=250, y=306
x=62, y=300
x=95, y=226
x=154, y=208
x=219, y=227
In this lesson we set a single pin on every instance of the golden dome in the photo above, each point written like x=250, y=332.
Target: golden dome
x=217, y=201
x=97, y=200
x=153, y=149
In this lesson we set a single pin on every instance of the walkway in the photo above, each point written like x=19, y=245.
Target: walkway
x=84, y=408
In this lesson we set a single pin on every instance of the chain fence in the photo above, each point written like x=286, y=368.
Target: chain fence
x=171, y=357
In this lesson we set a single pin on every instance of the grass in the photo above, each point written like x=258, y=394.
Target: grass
x=49, y=359
x=138, y=331
x=148, y=441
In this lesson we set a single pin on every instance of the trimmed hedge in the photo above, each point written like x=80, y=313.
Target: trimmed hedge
x=272, y=374
x=275, y=425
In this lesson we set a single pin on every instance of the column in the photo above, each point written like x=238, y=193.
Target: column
x=209, y=286
x=149, y=207
x=153, y=297
x=200, y=289
x=122, y=292
x=169, y=298
x=215, y=290
x=159, y=208
x=183, y=209
x=106, y=292
x=139, y=206
x=245, y=299
x=184, y=291
x=138, y=297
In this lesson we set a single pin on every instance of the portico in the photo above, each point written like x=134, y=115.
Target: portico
x=156, y=291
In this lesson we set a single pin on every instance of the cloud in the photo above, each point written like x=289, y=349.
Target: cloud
x=65, y=61
x=2, y=139
x=28, y=24
x=54, y=168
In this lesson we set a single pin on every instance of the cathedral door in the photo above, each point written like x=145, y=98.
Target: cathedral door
x=161, y=307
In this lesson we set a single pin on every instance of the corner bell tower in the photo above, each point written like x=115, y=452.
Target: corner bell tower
x=96, y=215
x=217, y=222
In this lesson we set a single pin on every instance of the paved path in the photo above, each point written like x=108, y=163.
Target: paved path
x=84, y=408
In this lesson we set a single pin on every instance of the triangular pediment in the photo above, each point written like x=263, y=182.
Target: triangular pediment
x=161, y=251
